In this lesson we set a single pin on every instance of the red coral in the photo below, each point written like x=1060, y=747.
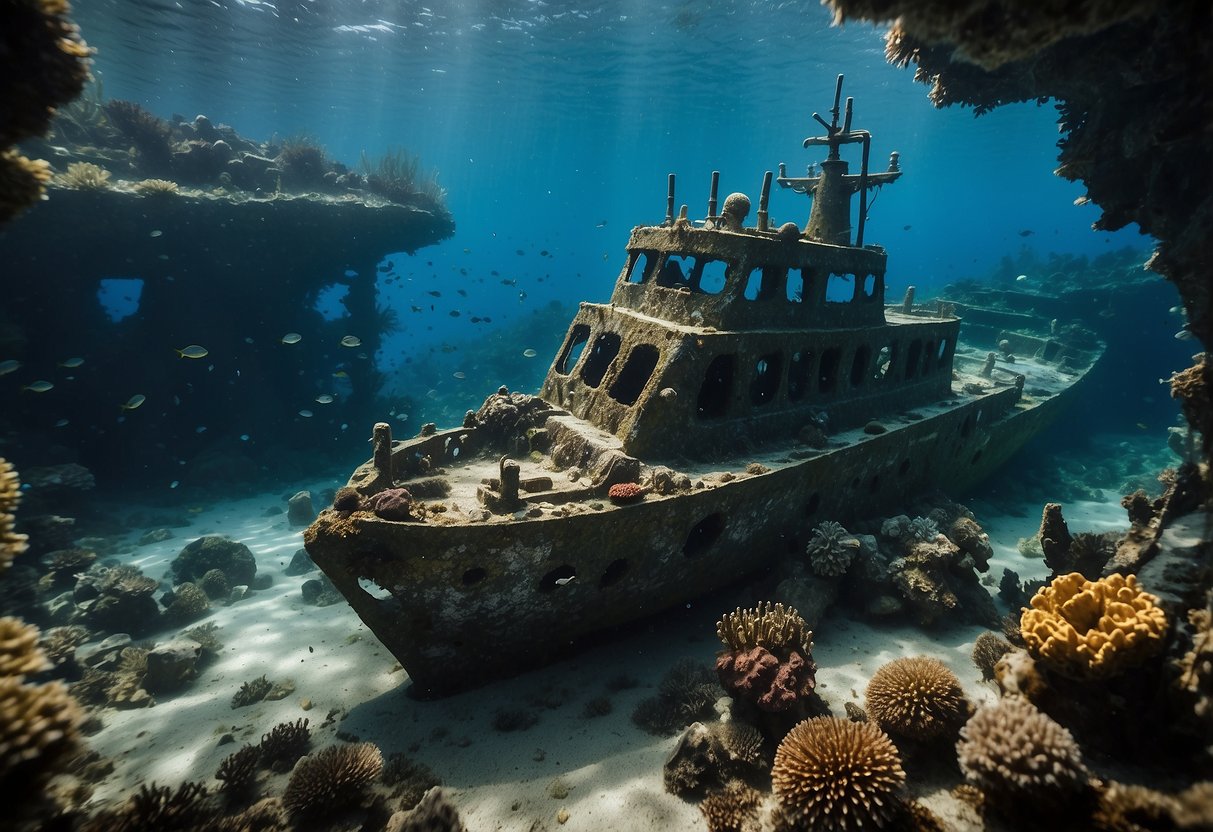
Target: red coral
x=393, y=504
x=759, y=676
x=625, y=492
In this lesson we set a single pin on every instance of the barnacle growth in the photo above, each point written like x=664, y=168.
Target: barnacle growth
x=835, y=775
x=1012, y=750
x=1093, y=629
x=768, y=625
x=916, y=697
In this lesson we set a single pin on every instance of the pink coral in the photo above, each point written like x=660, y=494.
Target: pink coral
x=392, y=504
x=625, y=492
x=759, y=676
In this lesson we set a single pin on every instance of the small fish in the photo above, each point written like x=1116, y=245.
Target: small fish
x=156, y=233
x=38, y=387
x=1176, y=310
x=906, y=227
x=9, y=366
x=416, y=308
x=454, y=313
x=565, y=581
x=1021, y=278
x=467, y=251
x=544, y=253
x=134, y=402
x=193, y=351
x=1027, y=232
x=431, y=393
x=341, y=374
x=601, y=224
x=434, y=293
x=292, y=338
x=62, y=423
x=306, y=414
x=508, y=282
x=351, y=341
x=474, y=319
x=200, y=429
x=174, y=483
x=462, y=292
x=521, y=296
x=460, y=374
x=606, y=255
x=529, y=353
x=1184, y=335
x=71, y=363
x=324, y=399
x=520, y=252
x=1142, y=426
x=244, y=437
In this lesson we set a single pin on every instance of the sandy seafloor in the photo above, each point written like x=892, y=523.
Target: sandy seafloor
x=611, y=769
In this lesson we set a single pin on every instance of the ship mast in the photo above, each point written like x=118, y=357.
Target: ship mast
x=832, y=189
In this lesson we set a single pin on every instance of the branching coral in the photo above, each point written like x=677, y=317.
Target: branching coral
x=11, y=543
x=331, y=779
x=252, y=692
x=732, y=809
x=916, y=697
x=1093, y=629
x=1011, y=750
x=85, y=176
x=238, y=772
x=19, y=651
x=768, y=625
x=836, y=775
x=284, y=744
x=38, y=732
x=831, y=549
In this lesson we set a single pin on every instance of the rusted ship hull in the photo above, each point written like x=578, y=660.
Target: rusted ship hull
x=460, y=605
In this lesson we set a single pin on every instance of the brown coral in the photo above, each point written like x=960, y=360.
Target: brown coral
x=19, y=651
x=11, y=543
x=835, y=775
x=732, y=809
x=1093, y=629
x=987, y=650
x=238, y=772
x=916, y=697
x=331, y=779
x=284, y=744
x=38, y=732
x=1011, y=750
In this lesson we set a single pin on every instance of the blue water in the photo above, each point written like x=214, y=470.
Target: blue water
x=552, y=127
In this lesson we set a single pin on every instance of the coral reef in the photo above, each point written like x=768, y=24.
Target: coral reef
x=831, y=549
x=1093, y=629
x=331, y=779
x=11, y=543
x=837, y=776
x=85, y=176
x=937, y=581
x=44, y=64
x=732, y=809
x=189, y=603
x=38, y=732
x=710, y=755
x=118, y=600
x=238, y=773
x=214, y=584
x=252, y=692
x=1013, y=752
x=988, y=649
x=768, y=660
x=916, y=697
x=213, y=551
x=285, y=743
x=687, y=693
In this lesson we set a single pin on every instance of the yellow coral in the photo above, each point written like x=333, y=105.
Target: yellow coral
x=20, y=654
x=768, y=625
x=85, y=176
x=11, y=543
x=1093, y=629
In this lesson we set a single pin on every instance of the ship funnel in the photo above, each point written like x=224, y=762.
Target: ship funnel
x=669, y=202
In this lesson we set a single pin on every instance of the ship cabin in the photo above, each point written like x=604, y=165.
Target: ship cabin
x=715, y=338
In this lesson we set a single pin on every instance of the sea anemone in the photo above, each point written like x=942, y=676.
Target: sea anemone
x=835, y=775
x=916, y=697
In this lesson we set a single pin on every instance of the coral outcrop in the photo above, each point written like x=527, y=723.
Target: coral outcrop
x=213, y=551
x=332, y=779
x=708, y=756
x=11, y=543
x=44, y=64
x=1013, y=752
x=732, y=809
x=916, y=697
x=768, y=657
x=392, y=504
x=836, y=775
x=831, y=549
x=1093, y=629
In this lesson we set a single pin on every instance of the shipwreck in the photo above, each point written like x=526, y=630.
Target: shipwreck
x=744, y=383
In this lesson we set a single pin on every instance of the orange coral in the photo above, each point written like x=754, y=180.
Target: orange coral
x=1093, y=629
